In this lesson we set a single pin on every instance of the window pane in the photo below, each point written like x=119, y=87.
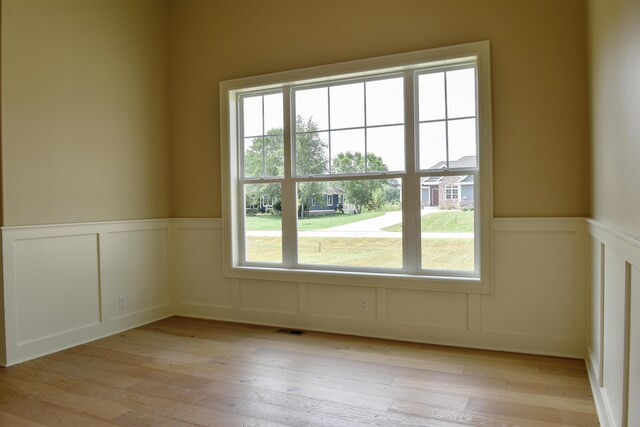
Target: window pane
x=274, y=155
x=361, y=228
x=387, y=145
x=252, y=116
x=273, y=113
x=263, y=223
x=347, y=105
x=447, y=224
x=462, y=143
x=385, y=102
x=253, y=157
x=433, y=145
x=312, y=107
x=431, y=100
x=461, y=93
x=312, y=153
x=347, y=151
x=264, y=156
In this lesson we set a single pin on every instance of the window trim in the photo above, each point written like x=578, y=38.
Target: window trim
x=445, y=56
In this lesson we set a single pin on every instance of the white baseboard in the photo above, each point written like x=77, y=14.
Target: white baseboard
x=604, y=416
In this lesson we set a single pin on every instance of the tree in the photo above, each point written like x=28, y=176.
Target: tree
x=362, y=193
x=311, y=159
x=265, y=158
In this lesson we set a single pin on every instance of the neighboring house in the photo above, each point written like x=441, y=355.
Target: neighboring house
x=328, y=203
x=449, y=192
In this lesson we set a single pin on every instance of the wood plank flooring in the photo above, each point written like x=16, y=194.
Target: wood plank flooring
x=191, y=372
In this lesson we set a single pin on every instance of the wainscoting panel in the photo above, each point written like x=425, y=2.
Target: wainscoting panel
x=447, y=310
x=338, y=302
x=634, y=349
x=198, y=265
x=137, y=268
x=276, y=297
x=614, y=339
x=71, y=298
x=63, y=283
x=596, y=317
x=535, y=284
x=539, y=303
x=613, y=355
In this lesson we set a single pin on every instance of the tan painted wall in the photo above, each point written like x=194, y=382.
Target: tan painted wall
x=85, y=94
x=615, y=87
x=85, y=130
x=539, y=59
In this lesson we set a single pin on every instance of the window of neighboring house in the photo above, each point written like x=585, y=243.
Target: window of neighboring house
x=372, y=130
x=451, y=192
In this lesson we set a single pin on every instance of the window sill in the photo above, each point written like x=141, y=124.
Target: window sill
x=349, y=278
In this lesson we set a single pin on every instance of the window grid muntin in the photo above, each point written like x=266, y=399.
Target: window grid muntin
x=328, y=85
x=446, y=69
x=240, y=130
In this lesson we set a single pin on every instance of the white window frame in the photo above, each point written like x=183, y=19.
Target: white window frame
x=451, y=188
x=406, y=63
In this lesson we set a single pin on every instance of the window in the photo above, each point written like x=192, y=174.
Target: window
x=451, y=192
x=376, y=170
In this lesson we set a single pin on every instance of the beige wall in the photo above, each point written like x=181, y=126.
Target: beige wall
x=86, y=96
x=85, y=128
x=540, y=101
x=615, y=87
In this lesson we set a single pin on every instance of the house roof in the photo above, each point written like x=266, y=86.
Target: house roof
x=432, y=179
x=462, y=162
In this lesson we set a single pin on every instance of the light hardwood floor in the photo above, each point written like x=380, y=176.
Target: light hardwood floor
x=185, y=372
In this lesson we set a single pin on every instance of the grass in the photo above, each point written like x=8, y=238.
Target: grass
x=270, y=222
x=442, y=254
x=443, y=222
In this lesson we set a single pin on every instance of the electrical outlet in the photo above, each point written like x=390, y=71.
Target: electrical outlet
x=363, y=304
x=123, y=302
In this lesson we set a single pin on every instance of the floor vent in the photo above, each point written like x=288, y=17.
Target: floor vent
x=289, y=331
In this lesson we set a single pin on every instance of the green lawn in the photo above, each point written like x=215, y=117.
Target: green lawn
x=441, y=254
x=268, y=222
x=443, y=222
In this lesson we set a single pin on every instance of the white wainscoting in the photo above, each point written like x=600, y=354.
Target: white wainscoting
x=613, y=355
x=63, y=283
x=539, y=303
